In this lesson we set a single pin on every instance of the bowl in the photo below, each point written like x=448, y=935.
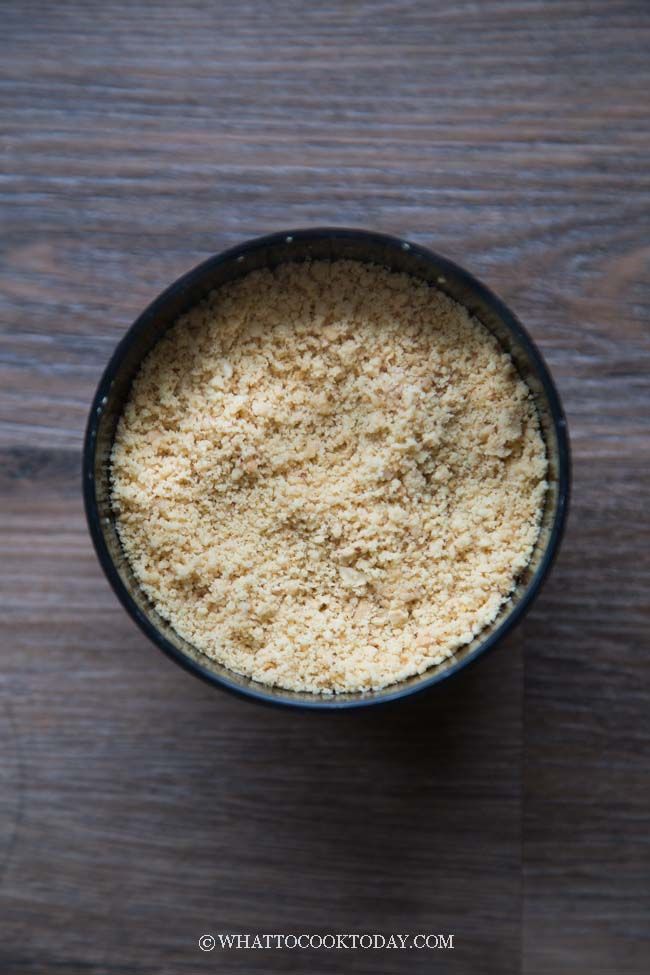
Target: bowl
x=269, y=251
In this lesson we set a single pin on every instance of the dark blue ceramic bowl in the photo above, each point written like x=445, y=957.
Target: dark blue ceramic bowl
x=298, y=245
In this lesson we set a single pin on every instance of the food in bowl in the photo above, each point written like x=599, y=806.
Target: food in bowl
x=328, y=476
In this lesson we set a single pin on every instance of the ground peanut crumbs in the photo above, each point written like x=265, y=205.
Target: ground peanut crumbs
x=328, y=476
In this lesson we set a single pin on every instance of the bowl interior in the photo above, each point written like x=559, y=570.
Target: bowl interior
x=270, y=251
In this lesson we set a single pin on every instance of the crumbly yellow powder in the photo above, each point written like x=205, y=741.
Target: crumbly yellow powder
x=328, y=477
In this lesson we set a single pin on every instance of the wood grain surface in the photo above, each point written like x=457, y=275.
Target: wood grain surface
x=140, y=809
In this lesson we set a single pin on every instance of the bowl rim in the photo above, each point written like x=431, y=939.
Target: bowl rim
x=275, y=695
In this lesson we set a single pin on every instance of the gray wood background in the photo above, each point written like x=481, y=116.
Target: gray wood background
x=140, y=809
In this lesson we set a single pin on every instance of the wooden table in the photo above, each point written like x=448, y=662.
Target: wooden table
x=140, y=809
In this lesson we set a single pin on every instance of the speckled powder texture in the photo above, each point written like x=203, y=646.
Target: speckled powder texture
x=328, y=476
